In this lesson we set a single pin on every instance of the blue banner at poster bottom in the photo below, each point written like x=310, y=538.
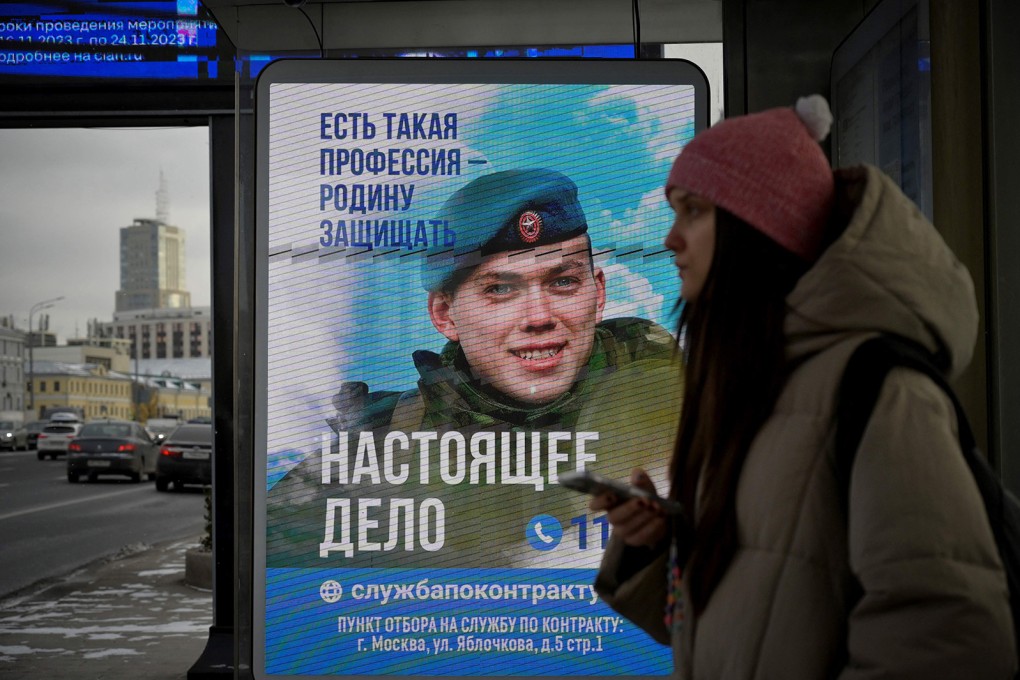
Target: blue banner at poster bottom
x=449, y=622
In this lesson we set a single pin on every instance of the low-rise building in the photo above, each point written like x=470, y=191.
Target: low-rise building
x=183, y=387
x=93, y=388
x=12, y=371
x=113, y=353
x=167, y=388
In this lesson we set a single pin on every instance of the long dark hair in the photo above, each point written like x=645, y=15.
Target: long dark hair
x=732, y=337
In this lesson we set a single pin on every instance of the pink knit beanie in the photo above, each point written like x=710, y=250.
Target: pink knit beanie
x=767, y=169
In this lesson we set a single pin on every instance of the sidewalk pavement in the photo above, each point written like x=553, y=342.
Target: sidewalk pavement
x=130, y=616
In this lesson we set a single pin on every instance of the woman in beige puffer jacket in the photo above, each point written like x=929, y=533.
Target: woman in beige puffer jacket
x=786, y=268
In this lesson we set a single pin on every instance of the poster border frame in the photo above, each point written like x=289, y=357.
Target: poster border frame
x=398, y=72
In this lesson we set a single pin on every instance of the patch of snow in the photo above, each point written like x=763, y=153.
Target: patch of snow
x=21, y=650
x=103, y=653
x=176, y=627
x=160, y=572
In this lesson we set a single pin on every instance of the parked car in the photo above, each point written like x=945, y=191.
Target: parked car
x=185, y=457
x=111, y=447
x=13, y=435
x=34, y=428
x=54, y=438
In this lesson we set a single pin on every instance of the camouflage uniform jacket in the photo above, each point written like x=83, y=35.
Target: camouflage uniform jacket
x=628, y=393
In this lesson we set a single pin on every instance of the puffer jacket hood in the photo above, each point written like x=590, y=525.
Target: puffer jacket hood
x=860, y=284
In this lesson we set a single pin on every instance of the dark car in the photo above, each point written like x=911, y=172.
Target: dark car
x=13, y=435
x=34, y=428
x=185, y=457
x=111, y=447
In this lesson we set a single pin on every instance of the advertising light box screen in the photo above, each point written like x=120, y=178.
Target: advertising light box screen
x=462, y=294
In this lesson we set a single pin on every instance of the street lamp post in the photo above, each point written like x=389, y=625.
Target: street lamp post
x=37, y=307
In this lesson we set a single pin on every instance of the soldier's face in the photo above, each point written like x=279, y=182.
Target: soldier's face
x=526, y=319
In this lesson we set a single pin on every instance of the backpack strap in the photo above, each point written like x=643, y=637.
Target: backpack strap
x=858, y=392
x=859, y=388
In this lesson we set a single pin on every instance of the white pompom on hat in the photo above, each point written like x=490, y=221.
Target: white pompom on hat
x=814, y=112
x=768, y=169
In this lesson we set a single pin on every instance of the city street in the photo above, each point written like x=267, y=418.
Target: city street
x=49, y=527
x=92, y=576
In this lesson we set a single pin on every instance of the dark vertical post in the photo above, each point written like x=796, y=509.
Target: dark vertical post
x=958, y=179
x=1001, y=54
x=217, y=660
x=734, y=56
x=244, y=396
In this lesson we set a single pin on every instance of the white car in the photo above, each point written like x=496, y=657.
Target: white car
x=55, y=437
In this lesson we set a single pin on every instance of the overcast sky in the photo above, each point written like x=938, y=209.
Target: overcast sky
x=65, y=194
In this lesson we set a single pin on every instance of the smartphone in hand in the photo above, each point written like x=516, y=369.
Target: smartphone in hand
x=595, y=484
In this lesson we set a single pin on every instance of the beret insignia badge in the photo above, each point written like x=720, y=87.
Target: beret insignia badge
x=529, y=224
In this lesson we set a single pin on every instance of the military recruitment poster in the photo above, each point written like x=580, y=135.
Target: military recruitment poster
x=463, y=294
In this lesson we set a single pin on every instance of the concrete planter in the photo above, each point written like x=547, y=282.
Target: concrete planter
x=198, y=564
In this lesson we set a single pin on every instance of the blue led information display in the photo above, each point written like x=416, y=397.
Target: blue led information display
x=164, y=40
x=112, y=40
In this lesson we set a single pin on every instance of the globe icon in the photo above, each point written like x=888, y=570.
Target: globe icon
x=331, y=591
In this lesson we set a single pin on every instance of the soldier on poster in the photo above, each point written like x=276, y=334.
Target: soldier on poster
x=533, y=379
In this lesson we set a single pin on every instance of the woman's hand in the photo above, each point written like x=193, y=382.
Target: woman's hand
x=637, y=522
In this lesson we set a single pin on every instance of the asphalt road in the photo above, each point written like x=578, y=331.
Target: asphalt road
x=49, y=527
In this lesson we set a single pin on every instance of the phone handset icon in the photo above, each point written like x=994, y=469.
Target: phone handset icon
x=542, y=536
x=544, y=532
